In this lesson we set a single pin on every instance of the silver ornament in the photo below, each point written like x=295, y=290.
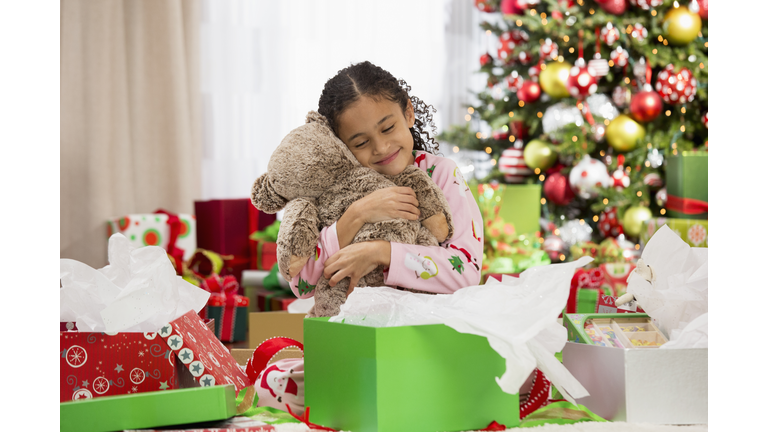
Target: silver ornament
x=655, y=158
x=601, y=105
x=661, y=197
x=559, y=115
x=574, y=231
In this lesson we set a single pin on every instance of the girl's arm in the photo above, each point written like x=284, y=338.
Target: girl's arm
x=454, y=264
x=303, y=284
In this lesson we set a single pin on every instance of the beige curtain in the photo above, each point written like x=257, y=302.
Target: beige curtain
x=130, y=115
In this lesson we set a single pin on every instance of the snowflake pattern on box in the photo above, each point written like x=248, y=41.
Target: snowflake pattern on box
x=207, y=359
x=98, y=364
x=153, y=230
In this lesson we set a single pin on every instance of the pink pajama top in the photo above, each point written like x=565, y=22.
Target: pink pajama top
x=443, y=269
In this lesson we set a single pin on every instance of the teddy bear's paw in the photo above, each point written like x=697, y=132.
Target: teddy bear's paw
x=437, y=224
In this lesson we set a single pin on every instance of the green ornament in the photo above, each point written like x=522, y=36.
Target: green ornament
x=633, y=220
x=538, y=154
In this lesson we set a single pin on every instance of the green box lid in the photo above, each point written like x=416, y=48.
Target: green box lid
x=409, y=378
x=148, y=410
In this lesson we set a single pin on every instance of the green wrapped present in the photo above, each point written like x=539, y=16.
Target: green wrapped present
x=148, y=410
x=408, y=378
x=519, y=205
x=695, y=232
x=687, y=191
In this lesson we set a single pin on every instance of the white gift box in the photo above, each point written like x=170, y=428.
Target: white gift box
x=636, y=385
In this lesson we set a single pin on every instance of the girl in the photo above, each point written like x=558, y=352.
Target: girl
x=384, y=127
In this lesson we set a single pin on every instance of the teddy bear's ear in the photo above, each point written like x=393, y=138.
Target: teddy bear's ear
x=264, y=197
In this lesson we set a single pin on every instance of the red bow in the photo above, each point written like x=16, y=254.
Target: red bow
x=223, y=293
x=174, y=224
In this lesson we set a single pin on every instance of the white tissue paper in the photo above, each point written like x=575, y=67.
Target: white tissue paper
x=138, y=291
x=670, y=283
x=517, y=315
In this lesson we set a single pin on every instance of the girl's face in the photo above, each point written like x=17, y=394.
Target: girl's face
x=377, y=133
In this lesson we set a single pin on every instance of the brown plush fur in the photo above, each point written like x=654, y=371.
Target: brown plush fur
x=314, y=176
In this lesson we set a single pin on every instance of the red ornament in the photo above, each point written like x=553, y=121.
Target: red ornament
x=534, y=72
x=616, y=7
x=549, y=49
x=620, y=179
x=639, y=33
x=645, y=106
x=620, y=57
x=512, y=164
x=608, y=224
x=485, y=6
x=704, y=8
x=557, y=189
x=486, y=59
x=676, y=87
x=582, y=80
x=514, y=81
x=518, y=129
x=508, y=41
x=525, y=57
x=500, y=135
x=646, y=4
x=529, y=92
x=705, y=119
x=610, y=34
x=513, y=7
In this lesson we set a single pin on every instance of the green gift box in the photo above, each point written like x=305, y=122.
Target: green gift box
x=239, y=324
x=409, y=378
x=687, y=185
x=148, y=410
x=519, y=205
x=695, y=232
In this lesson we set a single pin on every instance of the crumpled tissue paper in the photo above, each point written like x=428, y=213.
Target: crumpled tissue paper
x=670, y=283
x=138, y=291
x=517, y=315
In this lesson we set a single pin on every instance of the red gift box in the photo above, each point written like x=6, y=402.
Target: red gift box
x=265, y=256
x=98, y=364
x=207, y=359
x=224, y=226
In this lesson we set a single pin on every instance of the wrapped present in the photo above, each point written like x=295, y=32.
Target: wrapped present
x=616, y=275
x=264, y=247
x=519, y=204
x=695, y=232
x=177, y=234
x=206, y=358
x=610, y=250
x=267, y=299
x=99, y=364
x=228, y=309
x=369, y=378
x=687, y=187
x=281, y=302
x=587, y=285
x=148, y=410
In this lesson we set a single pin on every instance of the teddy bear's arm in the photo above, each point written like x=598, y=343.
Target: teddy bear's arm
x=435, y=211
x=298, y=236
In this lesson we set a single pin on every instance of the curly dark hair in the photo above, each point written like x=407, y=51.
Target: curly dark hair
x=367, y=79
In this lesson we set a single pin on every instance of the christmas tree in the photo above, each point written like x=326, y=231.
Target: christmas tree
x=589, y=98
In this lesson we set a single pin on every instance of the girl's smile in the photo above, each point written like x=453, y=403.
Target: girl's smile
x=378, y=134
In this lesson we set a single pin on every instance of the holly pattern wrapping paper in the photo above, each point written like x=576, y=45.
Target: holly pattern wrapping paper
x=207, y=359
x=98, y=364
x=152, y=229
x=695, y=232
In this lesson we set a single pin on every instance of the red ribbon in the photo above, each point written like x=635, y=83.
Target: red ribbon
x=494, y=426
x=583, y=279
x=305, y=419
x=538, y=396
x=264, y=353
x=174, y=224
x=688, y=206
x=224, y=292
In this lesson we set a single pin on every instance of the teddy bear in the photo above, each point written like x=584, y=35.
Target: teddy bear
x=314, y=178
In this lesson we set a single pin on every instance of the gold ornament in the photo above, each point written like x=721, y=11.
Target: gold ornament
x=633, y=219
x=681, y=26
x=623, y=133
x=538, y=154
x=552, y=79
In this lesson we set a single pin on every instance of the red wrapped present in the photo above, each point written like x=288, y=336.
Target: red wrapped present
x=265, y=256
x=616, y=275
x=228, y=309
x=209, y=362
x=586, y=287
x=98, y=364
x=281, y=302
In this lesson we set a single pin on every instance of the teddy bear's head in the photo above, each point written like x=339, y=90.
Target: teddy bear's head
x=307, y=162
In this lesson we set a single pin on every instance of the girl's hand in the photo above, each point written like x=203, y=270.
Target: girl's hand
x=388, y=203
x=356, y=261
